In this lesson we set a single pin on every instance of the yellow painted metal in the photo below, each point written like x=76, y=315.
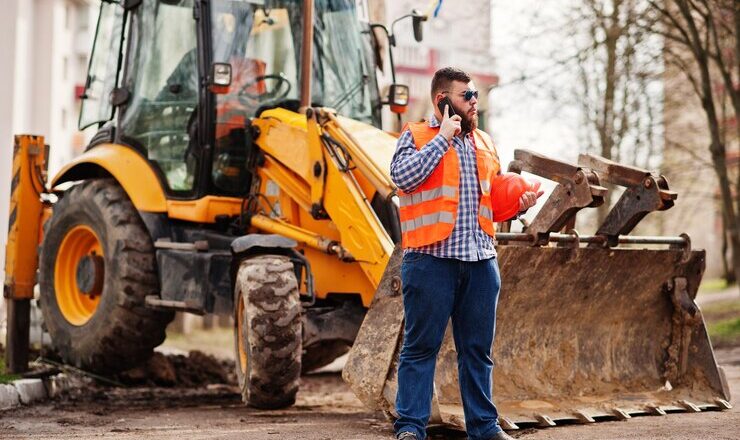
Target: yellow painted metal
x=132, y=171
x=241, y=335
x=361, y=231
x=371, y=150
x=316, y=161
x=332, y=277
x=79, y=242
x=288, y=181
x=309, y=238
x=377, y=145
x=293, y=119
x=292, y=145
x=283, y=136
x=205, y=209
x=26, y=213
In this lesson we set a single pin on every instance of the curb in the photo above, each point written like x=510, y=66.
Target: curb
x=24, y=392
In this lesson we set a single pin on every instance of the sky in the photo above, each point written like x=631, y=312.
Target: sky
x=521, y=116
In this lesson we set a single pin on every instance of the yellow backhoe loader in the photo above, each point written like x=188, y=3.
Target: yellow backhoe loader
x=239, y=165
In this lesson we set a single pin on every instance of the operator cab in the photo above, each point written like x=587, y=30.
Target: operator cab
x=197, y=135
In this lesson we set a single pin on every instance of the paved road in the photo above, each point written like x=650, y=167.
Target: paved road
x=326, y=410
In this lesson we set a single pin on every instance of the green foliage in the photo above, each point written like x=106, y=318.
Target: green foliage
x=713, y=285
x=725, y=332
x=5, y=377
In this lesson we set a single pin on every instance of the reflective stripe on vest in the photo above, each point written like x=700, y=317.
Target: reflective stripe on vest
x=486, y=212
x=488, y=167
x=428, y=214
x=427, y=220
x=430, y=194
x=485, y=186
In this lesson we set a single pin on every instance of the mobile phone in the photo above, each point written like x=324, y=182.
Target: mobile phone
x=446, y=102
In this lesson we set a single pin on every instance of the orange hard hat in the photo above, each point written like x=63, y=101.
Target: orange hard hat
x=506, y=190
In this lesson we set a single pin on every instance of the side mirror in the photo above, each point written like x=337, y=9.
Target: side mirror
x=220, y=78
x=417, y=18
x=398, y=98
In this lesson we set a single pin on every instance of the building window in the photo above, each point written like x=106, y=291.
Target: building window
x=83, y=18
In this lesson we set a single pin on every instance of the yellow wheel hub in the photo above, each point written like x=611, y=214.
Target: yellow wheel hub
x=80, y=244
x=241, y=334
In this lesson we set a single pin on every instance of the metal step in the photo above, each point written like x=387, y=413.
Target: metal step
x=155, y=302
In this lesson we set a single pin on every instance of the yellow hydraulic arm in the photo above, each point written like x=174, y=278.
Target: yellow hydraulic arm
x=327, y=173
x=24, y=234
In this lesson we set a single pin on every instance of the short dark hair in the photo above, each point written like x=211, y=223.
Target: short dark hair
x=445, y=76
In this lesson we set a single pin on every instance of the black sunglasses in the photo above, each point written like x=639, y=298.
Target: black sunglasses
x=468, y=95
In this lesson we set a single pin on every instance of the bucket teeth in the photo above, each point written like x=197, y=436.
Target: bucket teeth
x=621, y=414
x=722, y=403
x=507, y=424
x=544, y=421
x=655, y=410
x=689, y=406
x=583, y=417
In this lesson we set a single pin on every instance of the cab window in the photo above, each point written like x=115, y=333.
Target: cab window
x=163, y=80
x=103, y=69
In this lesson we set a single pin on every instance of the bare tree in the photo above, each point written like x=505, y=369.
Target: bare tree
x=621, y=112
x=607, y=68
x=701, y=41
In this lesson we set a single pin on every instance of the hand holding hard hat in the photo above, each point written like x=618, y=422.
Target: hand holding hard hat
x=512, y=193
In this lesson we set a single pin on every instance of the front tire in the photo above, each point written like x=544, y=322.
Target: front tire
x=96, y=266
x=267, y=331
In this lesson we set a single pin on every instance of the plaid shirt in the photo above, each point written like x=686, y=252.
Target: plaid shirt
x=411, y=167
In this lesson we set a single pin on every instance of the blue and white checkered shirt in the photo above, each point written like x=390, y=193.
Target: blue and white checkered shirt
x=411, y=167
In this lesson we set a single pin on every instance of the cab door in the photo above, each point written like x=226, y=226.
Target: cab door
x=161, y=85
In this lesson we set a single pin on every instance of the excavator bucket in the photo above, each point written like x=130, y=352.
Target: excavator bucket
x=588, y=327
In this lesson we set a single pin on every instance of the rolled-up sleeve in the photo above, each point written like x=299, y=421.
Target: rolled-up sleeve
x=411, y=167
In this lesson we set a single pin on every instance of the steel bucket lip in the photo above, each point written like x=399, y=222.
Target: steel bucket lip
x=452, y=414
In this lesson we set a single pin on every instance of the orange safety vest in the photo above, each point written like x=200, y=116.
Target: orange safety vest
x=428, y=213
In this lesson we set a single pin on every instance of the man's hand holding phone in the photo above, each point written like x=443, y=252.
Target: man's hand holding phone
x=450, y=125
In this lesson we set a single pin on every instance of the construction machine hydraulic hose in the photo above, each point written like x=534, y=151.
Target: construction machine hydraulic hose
x=377, y=177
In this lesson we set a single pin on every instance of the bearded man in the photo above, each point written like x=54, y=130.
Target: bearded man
x=444, y=172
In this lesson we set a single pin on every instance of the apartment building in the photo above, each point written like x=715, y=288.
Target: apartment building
x=44, y=45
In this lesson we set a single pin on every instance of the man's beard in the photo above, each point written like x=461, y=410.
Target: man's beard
x=468, y=123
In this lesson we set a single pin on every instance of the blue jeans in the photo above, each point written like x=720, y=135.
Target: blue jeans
x=435, y=289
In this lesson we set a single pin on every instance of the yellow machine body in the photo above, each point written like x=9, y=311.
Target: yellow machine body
x=348, y=251
x=26, y=214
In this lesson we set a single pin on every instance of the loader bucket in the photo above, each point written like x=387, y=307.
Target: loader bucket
x=584, y=331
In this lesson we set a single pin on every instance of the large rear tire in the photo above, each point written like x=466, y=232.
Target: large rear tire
x=267, y=331
x=96, y=266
